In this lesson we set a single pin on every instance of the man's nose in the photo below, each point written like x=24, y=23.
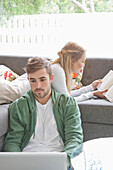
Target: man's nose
x=38, y=84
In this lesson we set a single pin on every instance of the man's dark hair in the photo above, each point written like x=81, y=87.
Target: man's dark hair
x=36, y=63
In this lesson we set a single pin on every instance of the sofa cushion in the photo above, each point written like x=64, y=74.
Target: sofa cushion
x=96, y=130
x=3, y=123
x=97, y=110
x=97, y=118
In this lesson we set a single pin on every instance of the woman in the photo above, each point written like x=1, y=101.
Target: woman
x=71, y=59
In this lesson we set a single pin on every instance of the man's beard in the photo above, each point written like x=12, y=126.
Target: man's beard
x=41, y=95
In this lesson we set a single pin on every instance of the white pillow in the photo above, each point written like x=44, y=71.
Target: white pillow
x=10, y=91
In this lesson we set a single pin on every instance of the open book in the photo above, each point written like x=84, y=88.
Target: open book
x=107, y=83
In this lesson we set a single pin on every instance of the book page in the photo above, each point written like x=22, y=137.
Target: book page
x=107, y=81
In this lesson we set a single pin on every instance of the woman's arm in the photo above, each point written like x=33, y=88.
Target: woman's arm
x=86, y=89
x=83, y=90
x=84, y=97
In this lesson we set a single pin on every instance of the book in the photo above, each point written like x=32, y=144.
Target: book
x=107, y=83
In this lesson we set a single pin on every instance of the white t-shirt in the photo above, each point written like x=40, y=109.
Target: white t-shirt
x=46, y=137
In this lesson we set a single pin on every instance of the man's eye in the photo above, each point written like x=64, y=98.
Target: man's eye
x=32, y=81
x=42, y=79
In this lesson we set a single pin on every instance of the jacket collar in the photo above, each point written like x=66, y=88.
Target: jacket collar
x=31, y=99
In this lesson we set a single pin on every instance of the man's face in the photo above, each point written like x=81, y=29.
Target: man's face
x=40, y=83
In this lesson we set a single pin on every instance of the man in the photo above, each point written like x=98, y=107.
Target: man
x=42, y=119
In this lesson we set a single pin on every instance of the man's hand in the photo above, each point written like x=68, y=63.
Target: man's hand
x=100, y=94
x=95, y=83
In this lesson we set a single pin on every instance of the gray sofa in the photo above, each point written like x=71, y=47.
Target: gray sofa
x=96, y=114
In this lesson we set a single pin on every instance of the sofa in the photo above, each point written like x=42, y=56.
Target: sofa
x=96, y=114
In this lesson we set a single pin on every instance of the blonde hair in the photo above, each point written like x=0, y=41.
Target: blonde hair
x=68, y=52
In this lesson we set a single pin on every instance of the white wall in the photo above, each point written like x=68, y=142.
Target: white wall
x=44, y=35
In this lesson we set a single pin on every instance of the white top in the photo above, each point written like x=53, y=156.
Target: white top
x=59, y=83
x=46, y=137
x=10, y=91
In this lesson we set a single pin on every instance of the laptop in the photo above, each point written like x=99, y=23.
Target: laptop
x=33, y=161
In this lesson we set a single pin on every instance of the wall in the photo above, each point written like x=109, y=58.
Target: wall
x=46, y=34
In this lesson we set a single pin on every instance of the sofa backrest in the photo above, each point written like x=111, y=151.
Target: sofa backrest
x=96, y=68
x=15, y=63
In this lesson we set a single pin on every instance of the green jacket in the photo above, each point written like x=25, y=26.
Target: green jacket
x=22, y=121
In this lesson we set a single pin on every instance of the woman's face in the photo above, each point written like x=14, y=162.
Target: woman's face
x=77, y=65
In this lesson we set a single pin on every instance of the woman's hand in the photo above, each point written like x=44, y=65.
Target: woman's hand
x=95, y=83
x=100, y=94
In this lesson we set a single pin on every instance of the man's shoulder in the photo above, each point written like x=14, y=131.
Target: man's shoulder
x=18, y=103
x=63, y=97
x=23, y=100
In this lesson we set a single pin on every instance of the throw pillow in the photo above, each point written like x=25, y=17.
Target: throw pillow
x=7, y=74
